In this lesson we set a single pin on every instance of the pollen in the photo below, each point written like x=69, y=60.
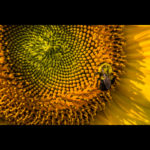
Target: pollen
x=47, y=71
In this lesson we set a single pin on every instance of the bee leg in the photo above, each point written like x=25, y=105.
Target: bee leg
x=113, y=80
x=102, y=86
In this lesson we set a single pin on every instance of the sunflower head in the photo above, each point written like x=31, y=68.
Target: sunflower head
x=47, y=72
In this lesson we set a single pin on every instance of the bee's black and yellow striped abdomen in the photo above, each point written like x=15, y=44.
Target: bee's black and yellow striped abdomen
x=47, y=71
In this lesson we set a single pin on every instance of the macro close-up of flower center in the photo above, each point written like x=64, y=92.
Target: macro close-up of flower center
x=60, y=74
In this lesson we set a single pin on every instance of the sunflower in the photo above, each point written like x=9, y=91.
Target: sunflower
x=74, y=74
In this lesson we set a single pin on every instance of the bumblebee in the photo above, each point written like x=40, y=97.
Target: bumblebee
x=106, y=78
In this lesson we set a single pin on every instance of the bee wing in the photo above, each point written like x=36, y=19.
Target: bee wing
x=107, y=82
